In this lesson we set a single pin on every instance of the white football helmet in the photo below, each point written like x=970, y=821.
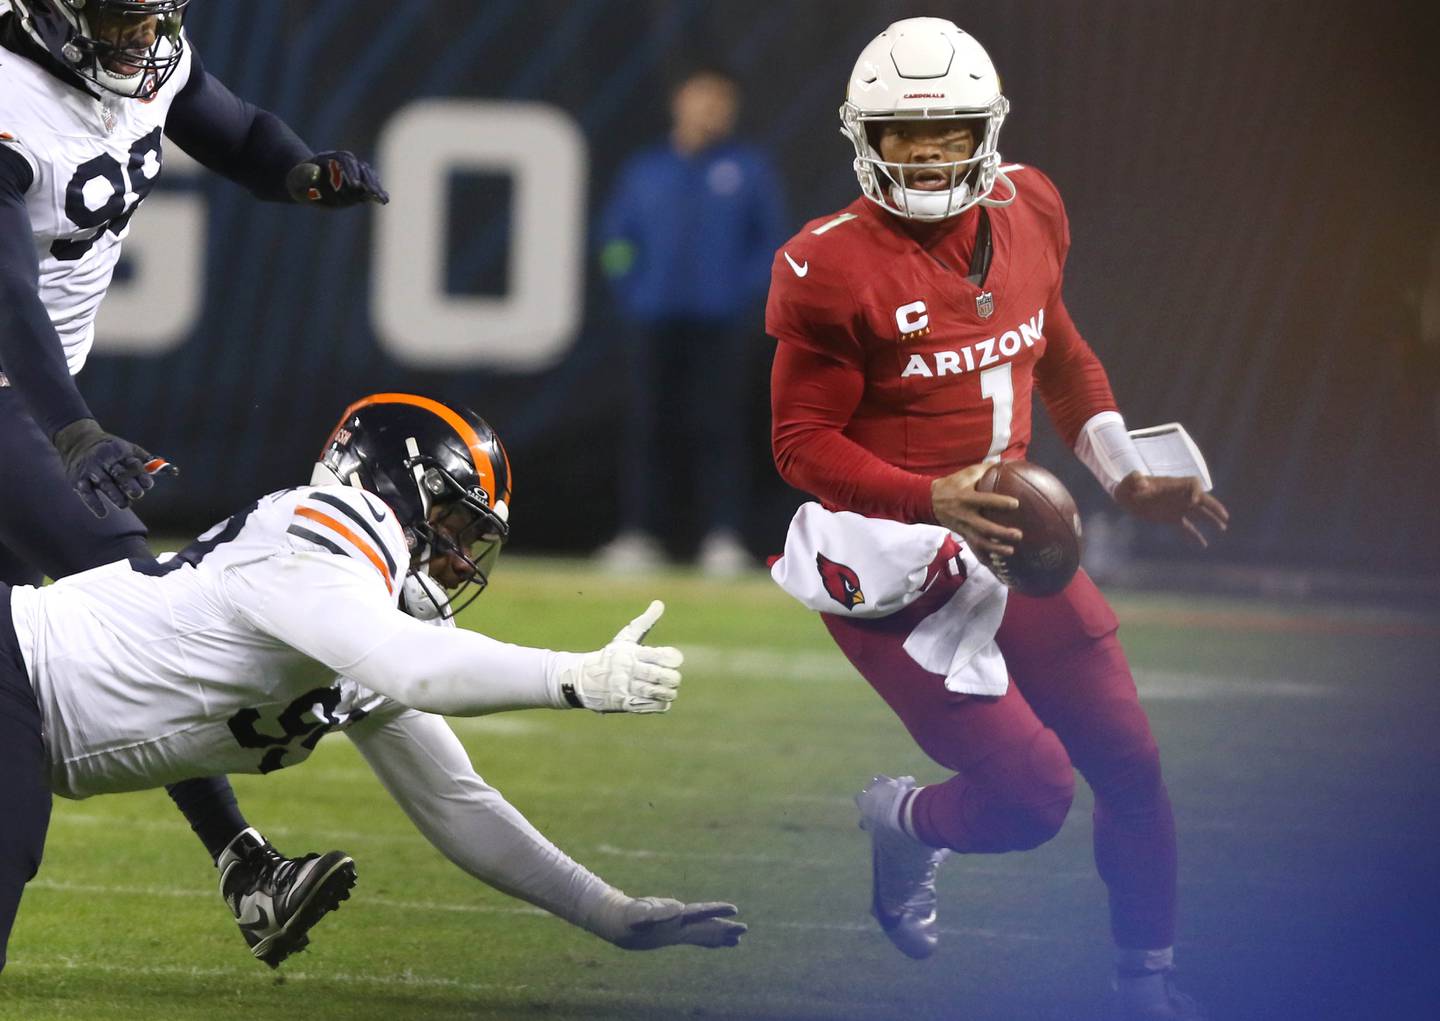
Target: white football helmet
x=926, y=68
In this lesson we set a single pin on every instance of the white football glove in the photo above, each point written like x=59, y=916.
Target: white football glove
x=654, y=922
x=625, y=676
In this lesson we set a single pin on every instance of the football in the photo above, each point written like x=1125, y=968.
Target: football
x=1048, y=556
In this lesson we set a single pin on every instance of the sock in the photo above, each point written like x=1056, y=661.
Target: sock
x=1138, y=963
x=1140, y=978
x=209, y=806
x=904, y=819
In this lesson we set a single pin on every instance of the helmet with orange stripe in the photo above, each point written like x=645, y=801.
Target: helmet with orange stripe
x=444, y=473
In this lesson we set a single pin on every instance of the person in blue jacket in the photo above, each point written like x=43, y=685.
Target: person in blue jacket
x=687, y=239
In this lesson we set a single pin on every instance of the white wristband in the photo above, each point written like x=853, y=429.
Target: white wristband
x=1105, y=447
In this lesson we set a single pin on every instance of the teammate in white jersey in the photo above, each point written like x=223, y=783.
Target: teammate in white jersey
x=285, y=622
x=88, y=92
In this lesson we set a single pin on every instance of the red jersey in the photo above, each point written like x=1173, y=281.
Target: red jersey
x=893, y=369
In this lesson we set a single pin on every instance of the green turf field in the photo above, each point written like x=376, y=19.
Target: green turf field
x=1299, y=746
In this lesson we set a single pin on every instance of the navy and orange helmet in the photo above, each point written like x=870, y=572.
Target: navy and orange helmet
x=418, y=454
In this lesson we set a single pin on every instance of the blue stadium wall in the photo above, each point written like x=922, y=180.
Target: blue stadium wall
x=1251, y=188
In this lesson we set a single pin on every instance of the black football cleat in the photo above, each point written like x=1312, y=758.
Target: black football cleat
x=276, y=900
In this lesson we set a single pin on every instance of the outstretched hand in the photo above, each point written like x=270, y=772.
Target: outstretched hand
x=1180, y=502
x=626, y=676
x=961, y=508
x=654, y=922
x=335, y=179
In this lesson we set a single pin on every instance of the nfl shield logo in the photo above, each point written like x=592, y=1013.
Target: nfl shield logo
x=985, y=304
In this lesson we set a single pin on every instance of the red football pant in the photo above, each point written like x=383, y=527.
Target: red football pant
x=1072, y=700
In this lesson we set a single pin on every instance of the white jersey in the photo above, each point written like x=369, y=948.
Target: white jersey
x=145, y=678
x=94, y=161
x=273, y=628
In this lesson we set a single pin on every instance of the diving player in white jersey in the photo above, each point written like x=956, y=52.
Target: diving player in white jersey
x=289, y=620
x=87, y=90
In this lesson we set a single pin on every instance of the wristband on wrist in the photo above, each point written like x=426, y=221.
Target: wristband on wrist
x=1105, y=447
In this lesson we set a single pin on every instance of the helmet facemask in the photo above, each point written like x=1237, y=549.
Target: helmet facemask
x=126, y=47
x=444, y=474
x=457, y=522
x=971, y=181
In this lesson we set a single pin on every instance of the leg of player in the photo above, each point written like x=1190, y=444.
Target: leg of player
x=1012, y=789
x=1064, y=654
x=275, y=900
x=25, y=794
x=49, y=532
x=902, y=867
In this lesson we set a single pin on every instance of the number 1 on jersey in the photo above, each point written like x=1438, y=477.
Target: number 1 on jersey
x=995, y=386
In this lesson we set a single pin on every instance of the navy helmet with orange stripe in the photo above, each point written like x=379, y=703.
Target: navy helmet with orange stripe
x=444, y=473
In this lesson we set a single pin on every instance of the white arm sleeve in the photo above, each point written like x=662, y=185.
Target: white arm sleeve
x=331, y=609
x=1105, y=447
x=423, y=765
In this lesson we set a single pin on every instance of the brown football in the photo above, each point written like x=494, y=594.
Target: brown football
x=1048, y=556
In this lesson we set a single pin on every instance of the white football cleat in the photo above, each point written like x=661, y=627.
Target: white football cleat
x=902, y=869
x=1153, y=997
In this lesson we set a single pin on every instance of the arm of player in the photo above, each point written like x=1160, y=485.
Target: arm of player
x=422, y=764
x=259, y=151
x=102, y=468
x=333, y=610
x=1077, y=393
x=31, y=354
x=812, y=398
x=1107, y=449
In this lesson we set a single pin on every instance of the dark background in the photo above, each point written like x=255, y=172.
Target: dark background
x=1251, y=187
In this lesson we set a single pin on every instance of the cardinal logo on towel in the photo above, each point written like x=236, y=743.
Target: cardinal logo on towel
x=841, y=582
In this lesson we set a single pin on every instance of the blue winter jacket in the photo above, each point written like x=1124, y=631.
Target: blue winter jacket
x=692, y=237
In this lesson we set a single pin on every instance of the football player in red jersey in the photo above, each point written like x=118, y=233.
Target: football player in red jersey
x=912, y=328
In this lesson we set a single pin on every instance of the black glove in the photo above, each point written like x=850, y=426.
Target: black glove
x=102, y=467
x=335, y=179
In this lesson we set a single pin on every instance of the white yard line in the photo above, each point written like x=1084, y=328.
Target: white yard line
x=830, y=666
x=190, y=893
x=408, y=979
x=451, y=907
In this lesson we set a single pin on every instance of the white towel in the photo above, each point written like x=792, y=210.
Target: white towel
x=847, y=564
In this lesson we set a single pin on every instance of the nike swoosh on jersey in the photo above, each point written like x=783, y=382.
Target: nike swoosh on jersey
x=800, y=268
x=349, y=512
x=329, y=528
